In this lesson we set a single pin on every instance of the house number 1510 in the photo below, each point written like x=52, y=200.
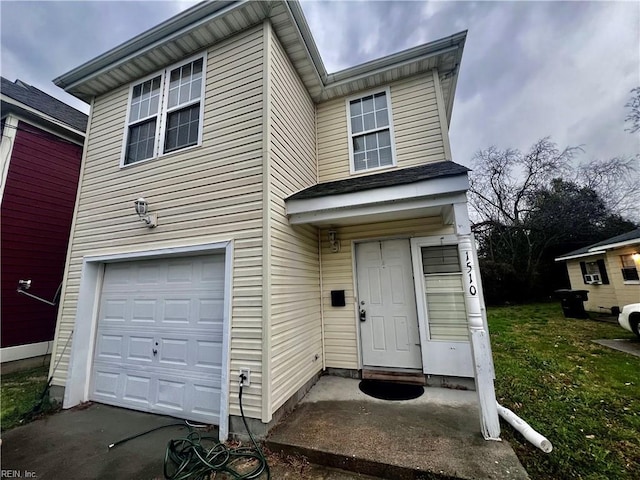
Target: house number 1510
x=472, y=287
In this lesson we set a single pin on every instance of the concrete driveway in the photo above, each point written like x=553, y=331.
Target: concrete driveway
x=627, y=345
x=73, y=445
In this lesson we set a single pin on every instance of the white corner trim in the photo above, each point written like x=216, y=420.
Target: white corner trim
x=442, y=114
x=85, y=326
x=29, y=350
x=9, y=133
x=225, y=386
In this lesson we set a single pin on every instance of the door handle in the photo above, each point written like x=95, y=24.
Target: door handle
x=363, y=315
x=155, y=352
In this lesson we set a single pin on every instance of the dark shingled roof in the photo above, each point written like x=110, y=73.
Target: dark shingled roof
x=38, y=100
x=387, y=179
x=632, y=235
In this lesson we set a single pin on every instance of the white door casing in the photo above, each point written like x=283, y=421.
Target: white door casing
x=440, y=356
x=387, y=305
x=160, y=335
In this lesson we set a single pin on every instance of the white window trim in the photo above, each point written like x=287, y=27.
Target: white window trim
x=158, y=149
x=636, y=264
x=394, y=162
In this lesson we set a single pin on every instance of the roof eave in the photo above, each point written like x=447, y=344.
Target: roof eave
x=158, y=34
x=74, y=80
x=580, y=255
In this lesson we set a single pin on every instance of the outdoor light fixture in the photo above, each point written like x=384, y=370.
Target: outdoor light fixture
x=334, y=243
x=142, y=209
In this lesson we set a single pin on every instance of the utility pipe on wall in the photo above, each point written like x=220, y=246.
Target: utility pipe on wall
x=525, y=429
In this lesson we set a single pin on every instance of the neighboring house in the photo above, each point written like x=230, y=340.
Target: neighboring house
x=305, y=222
x=608, y=270
x=40, y=153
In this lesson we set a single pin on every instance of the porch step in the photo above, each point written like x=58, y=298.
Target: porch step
x=433, y=437
x=413, y=378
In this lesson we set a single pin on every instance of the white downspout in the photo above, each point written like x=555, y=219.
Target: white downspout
x=525, y=429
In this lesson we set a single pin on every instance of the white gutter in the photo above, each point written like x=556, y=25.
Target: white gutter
x=633, y=241
x=146, y=41
x=580, y=255
x=525, y=429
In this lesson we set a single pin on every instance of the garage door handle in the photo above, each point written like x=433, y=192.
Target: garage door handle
x=155, y=352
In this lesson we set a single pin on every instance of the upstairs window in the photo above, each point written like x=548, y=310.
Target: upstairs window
x=370, y=132
x=630, y=267
x=165, y=112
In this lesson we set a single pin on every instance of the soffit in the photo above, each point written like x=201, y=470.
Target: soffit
x=206, y=24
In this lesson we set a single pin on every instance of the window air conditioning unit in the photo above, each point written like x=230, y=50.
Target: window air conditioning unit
x=593, y=279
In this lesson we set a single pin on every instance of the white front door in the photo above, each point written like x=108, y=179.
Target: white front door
x=159, y=337
x=387, y=305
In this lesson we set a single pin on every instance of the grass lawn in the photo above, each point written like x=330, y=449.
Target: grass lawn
x=19, y=393
x=585, y=398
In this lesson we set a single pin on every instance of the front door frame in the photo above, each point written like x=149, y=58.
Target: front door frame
x=354, y=244
x=85, y=325
x=433, y=350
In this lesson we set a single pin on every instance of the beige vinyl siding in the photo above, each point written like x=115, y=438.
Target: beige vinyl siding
x=416, y=123
x=629, y=292
x=296, y=343
x=599, y=295
x=340, y=324
x=203, y=194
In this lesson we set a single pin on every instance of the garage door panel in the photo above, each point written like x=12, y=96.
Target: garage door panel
x=110, y=347
x=159, y=338
x=140, y=349
x=137, y=388
x=106, y=384
x=144, y=310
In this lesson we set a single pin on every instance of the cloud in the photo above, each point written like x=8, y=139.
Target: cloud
x=530, y=69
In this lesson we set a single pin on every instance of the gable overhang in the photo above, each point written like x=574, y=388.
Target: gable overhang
x=581, y=255
x=209, y=23
x=424, y=198
x=600, y=249
x=46, y=122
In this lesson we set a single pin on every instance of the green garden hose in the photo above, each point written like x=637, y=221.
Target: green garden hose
x=196, y=456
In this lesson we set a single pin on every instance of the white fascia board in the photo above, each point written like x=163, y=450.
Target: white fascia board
x=370, y=210
x=634, y=241
x=396, y=193
x=159, y=35
x=581, y=255
x=43, y=116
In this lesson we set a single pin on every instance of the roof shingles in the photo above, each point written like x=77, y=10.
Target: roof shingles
x=401, y=176
x=38, y=100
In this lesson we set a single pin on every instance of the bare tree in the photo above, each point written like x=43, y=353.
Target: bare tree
x=633, y=118
x=528, y=207
x=617, y=183
x=504, y=180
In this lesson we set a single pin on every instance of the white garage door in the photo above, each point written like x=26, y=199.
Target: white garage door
x=159, y=339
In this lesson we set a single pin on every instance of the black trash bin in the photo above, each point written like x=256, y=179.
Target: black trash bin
x=572, y=302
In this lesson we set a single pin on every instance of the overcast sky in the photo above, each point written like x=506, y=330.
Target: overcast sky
x=530, y=69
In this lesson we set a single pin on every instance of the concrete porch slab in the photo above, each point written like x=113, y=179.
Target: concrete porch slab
x=434, y=436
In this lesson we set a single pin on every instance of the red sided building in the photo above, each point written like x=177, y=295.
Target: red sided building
x=40, y=153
